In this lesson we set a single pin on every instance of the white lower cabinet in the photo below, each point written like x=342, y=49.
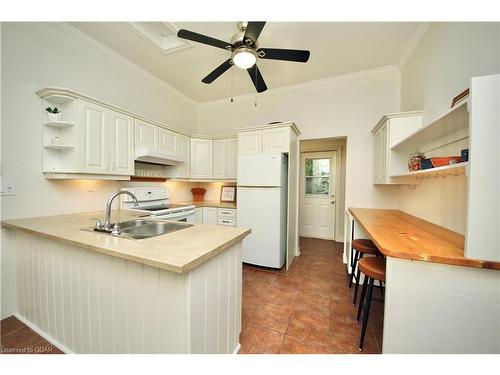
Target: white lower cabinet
x=213, y=215
x=209, y=215
x=198, y=215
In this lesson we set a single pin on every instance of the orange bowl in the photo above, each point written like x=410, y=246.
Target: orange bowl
x=448, y=160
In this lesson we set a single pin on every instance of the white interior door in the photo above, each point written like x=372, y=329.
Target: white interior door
x=317, y=194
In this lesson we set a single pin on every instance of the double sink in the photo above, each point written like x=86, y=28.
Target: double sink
x=143, y=228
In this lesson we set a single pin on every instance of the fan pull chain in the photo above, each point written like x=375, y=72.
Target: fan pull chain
x=232, y=85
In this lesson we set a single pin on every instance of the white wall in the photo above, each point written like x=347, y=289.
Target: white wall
x=344, y=106
x=36, y=55
x=447, y=57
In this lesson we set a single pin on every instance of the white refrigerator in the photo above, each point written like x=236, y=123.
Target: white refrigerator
x=262, y=206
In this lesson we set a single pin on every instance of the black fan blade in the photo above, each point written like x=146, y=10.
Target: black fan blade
x=296, y=55
x=253, y=30
x=257, y=79
x=217, y=72
x=195, y=37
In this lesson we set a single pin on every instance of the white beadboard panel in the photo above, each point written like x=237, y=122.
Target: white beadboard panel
x=93, y=303
x=106, y=309
x=152, y=322
x=9, y=279
x=119, y=297
x=451, y=310
x=208, y=304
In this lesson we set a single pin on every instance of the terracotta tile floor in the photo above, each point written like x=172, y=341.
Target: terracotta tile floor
x=307, y=309
x=17, y=338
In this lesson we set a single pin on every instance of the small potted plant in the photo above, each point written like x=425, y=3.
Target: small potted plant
x=53, y=114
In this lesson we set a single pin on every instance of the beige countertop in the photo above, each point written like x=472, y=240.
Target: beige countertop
x=179, y=251
x=217, y=204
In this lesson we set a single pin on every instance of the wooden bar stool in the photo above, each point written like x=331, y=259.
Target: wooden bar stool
x=361, y=247
x=374, y=269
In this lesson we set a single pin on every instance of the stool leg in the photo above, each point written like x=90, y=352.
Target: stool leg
x=366, y=313
x=362, y=298
x=353, y=267
x=358, y=277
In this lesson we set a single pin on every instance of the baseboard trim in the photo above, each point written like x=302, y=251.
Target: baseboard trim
x=45, y=335
x=237, y=350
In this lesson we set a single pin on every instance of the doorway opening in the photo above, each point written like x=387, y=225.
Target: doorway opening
x=322, y=188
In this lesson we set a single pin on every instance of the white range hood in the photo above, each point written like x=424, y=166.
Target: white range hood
x=149, y=156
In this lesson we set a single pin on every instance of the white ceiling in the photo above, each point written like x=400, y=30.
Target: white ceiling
x=336, y=48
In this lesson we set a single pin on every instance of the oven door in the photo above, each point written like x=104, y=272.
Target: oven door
x=184, y=216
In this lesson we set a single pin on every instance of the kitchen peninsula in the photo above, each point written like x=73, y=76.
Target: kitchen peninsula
x=89, y=292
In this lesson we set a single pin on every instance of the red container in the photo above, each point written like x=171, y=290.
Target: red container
x=198, y=194
x=448, y=160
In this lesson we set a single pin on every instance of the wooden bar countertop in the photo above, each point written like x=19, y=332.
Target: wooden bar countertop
x=400, y=235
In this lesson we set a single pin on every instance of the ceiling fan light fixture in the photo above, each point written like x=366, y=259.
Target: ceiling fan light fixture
x=244, y=58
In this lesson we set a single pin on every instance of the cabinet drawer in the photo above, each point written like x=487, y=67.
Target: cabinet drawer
x=229, y=221
x=227, y=212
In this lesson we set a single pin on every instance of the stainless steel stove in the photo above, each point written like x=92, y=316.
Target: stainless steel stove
x=154, y=202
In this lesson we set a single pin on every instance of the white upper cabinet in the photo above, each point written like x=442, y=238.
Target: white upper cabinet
x=276, y=140
x=201, y=158
x=391, y=130
x=146, y=135
x=121, y=144
x=166, y=142
x=93, y=123
x=250, y=143
x=183, y=151
x=232, y=158
x=220, y=158
x=225, y=158
x=380, y=154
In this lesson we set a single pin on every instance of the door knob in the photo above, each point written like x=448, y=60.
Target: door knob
x=332, y=201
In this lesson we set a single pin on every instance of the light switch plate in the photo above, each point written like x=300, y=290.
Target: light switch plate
x=7, y=189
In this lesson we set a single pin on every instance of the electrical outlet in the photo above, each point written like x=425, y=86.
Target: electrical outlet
x=7, y=189
x=90, y=187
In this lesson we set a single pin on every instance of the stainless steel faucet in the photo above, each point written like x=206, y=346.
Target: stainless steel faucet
x=107, y=218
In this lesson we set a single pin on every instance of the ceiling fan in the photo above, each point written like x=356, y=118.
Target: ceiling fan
x=245, y=51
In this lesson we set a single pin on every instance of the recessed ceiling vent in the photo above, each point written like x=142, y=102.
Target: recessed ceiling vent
x=163, y=35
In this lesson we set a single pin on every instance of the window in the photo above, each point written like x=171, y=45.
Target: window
x=317, y=175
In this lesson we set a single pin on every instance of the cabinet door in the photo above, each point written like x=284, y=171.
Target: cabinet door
x=182, y=146
x=276, y=140
x=93, y=137
x=201, y=158
x=198, y=216
x=209, y=215
x=250, y=143
x=121, y=144
x=146, y=135
x=383, y=154
x=220, y=158
x=232, y=158
x=166, y=142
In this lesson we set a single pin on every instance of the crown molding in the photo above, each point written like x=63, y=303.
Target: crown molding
x=413, y=44
x=86, y=39
x=389, y=69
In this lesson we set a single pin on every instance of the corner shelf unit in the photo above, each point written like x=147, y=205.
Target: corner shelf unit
x=60, y=158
